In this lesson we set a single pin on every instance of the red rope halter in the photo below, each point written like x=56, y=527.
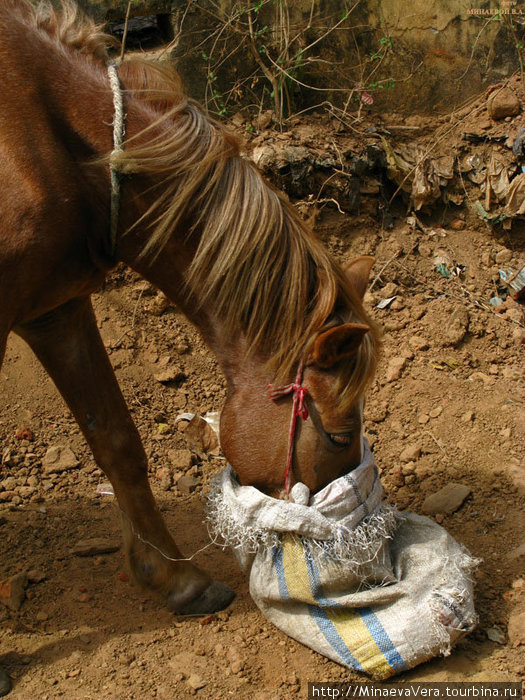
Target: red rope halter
x=299, y=410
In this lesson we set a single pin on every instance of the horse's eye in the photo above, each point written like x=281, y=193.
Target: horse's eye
x=341, y=439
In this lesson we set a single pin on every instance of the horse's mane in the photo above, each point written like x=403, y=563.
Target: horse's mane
x=257, y=265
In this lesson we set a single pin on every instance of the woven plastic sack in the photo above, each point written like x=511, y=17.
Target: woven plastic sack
x=345, y=574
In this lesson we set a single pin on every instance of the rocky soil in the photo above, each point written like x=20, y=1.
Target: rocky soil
x=445, y=412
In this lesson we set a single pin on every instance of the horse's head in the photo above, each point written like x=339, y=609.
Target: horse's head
x=255, y=430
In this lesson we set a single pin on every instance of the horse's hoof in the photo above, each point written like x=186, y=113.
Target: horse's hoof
x=5, y=682
x=214, y=598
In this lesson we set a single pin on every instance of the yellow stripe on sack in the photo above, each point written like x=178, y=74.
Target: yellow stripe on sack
x=356, y=636
x=296, y=571
x=348, y=624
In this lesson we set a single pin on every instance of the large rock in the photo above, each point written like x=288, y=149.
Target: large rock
x=446, y=500
x=503, y=103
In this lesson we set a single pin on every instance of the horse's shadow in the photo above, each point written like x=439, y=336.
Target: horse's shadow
x=84, y=602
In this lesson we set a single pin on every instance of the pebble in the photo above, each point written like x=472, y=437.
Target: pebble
x=495, y=635
x=169, y=374
x=446, y=500
x=389, y=290
x=376, y=413
x=59, y=458
x=410, y=453
x=395, y=367
x=435, y=412
x=180, y=459
x=503, y=256
x=187, y=483
x=196, y=682
x=12, y=591
x=423, y=418
x=418, y=343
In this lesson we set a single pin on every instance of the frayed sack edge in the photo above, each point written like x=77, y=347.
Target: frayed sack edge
x=353, y=548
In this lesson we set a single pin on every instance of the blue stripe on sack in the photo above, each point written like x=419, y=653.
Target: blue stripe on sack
x=374, y=626
x=277, y=556
x=315, y=580
x=382, y=639
x=324, y=623
x=332, y=637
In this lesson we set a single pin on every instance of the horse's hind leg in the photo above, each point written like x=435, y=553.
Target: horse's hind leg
x=68, y=344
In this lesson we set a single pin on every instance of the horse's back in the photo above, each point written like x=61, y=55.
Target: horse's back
x=44, y=200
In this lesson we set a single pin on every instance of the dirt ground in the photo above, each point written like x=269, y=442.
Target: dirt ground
x=446, y=407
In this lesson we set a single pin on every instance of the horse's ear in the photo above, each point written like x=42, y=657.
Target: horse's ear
x=331, y=346
x=358, y=272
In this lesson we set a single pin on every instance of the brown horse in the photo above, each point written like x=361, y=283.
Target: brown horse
x=197, y=221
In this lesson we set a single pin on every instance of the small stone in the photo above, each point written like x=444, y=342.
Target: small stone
x=24, y=433
x=36, y=576
x=408, y=469
x=181, y=347
x=423, y=418
x=435, y=412
x=94, y=546
x=41, y=616
x=503, y=256
x=410, y=453
x=389, y=290
x=196, y=682
x=468, y=417
x=395, y=367
x=446, y=500
x=159, y=304
x=187, y=484
x=481, y=376
x=180, y=459
x=418, y=343
x=457, y=225
x=516, y=628
x=59, y=458
x=12, y=591
x=456, y=327
x=518, y=335
x=170, y=375
x=495, y=635
x=503, y=103
x=376, y=413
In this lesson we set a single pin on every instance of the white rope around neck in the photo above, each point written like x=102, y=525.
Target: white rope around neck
x=119, y=130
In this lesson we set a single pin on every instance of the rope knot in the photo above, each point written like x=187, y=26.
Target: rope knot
x=299, y=410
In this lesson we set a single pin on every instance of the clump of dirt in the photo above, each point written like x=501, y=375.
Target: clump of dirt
x=444, y=410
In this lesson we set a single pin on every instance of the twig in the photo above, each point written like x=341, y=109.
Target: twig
x=382, y=270
x=427, y=432
x=125, y=35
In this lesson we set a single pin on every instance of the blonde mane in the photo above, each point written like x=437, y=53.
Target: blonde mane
x=257, y=267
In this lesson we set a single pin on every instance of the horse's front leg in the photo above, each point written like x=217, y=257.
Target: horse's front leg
x=68, y=344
